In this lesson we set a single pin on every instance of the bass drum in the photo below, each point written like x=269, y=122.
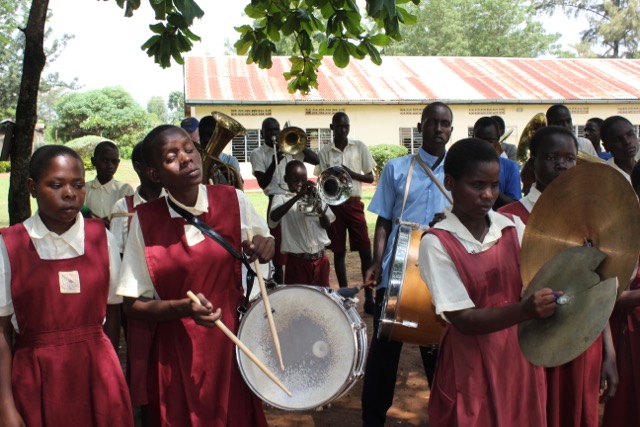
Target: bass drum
x=408, y=315
x=323, y=342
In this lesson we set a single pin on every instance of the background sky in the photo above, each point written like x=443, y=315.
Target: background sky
x=106, y=48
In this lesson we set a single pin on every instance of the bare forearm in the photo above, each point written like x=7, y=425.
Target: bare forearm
x=475, y=321
x=608, y=350
x=6, y=360
x=277, y=213
x=367, y=178
x=157, y=310
x=628, y=300
x=112, y=325
x=311, y=157
x=380, y=237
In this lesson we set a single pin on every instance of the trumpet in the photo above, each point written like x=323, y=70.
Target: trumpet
x=334, y=187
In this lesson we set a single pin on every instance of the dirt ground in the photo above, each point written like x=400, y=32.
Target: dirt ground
x=411, y=395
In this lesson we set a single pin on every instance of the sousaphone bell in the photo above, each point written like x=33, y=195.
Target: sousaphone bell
x=214, y=169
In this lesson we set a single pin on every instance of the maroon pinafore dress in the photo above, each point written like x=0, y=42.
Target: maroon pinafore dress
x=194, y=379
x=484, y=380
x=65, y=371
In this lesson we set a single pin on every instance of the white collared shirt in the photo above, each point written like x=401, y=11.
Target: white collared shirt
x=585, y=145
x=612, y=162
x=135, y=280
x=261, y=159
x=530, y=199
x=119, y=225
x=437, y=268
x=301, y=233
x=49, y=246
x=101, y=198
x=356, y=156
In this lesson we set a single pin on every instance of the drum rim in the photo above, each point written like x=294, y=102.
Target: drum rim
x=360, y=345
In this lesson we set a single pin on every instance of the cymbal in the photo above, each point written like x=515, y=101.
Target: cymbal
x=591, y=203
x=581, y=314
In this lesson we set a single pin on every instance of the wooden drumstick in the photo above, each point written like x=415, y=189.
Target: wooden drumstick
x=243, y=347
x=267, y=305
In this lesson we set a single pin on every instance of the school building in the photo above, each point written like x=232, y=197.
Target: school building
x=384, y=103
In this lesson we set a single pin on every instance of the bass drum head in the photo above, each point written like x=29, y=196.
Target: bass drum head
x=317, y=342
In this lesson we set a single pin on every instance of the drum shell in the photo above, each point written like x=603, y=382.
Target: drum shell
x=408, y=314
x=346, y=351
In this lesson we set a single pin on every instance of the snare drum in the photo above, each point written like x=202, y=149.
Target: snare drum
x=323, y=343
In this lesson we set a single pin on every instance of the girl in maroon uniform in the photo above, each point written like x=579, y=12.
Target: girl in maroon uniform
x=59, y=271
x=193, y=377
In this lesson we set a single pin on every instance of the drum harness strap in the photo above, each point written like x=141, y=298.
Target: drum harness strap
x=435, y=180
x=212, y=234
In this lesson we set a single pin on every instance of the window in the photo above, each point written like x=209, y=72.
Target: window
x=411, y=138
x=242, y=145
x=319, y=138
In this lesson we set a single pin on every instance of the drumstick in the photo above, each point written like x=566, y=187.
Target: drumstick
x=242, y=347
x=267, y=305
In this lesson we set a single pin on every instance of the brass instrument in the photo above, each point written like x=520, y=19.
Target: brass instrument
x=334, y=187
x=292, y=140
x=506, y=136
x=215, y=170
x=537, y=122
x=588, y=158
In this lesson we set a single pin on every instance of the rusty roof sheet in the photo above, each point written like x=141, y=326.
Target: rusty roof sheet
x=405, y=79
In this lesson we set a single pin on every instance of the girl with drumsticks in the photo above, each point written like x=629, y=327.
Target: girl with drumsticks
x=572, y=388
x=470, y=261
x=58, y=277
x=193, y=377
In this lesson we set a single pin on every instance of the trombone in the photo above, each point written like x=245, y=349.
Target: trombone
x=291, y=140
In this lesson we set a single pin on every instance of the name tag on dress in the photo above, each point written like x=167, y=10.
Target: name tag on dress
x=69, y=282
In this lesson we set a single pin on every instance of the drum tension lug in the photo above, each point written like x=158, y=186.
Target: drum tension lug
x=273, y=311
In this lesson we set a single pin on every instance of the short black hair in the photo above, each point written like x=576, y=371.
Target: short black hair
x=338, y=115
x=43, y=155
x=500, y=122
x=555, y=109
x=149, y=142
x=136, y=153
x=104, y=145
x=545, y=132
x=292, y=165
x=466, y=153
x=484, y=122
x=609, y=123
x=596, y=120
x=269, y=120
x=635, y=177
x=432, y=107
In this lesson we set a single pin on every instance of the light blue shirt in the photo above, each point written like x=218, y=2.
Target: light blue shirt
x=423, y=201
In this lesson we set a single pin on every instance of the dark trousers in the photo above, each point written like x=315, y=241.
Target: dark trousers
x=381, y=371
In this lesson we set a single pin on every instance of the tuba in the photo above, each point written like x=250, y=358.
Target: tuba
x=215, y=170
x=334, y=187
x=537, y=122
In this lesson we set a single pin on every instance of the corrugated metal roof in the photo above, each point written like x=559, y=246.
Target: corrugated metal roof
x=405, y=79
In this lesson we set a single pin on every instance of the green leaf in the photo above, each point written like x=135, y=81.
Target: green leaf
x=158, y=28
x=255, y=12
x=189, y=9
x=177, y=20
x=406, y=17
x=374, y=54
x=341, y=54
x=380, y=39
x=129, y=6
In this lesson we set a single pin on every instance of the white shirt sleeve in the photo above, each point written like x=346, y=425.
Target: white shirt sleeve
x=441, y=276
x=135, y=280
x=114, y=268
x=6, y=303
x=250, y=218
x=119, y=225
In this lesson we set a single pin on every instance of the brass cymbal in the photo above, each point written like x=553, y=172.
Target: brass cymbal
x=591, y=203
x=581, y=314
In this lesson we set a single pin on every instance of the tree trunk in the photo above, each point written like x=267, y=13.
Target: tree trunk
x=26, y=112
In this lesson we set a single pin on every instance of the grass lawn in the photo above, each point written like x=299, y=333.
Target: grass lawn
x=127, y=174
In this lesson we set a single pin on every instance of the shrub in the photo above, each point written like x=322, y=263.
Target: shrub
x=384, y=152
x=5, y=166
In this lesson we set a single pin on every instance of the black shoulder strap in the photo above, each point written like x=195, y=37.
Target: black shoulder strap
x=211, y=233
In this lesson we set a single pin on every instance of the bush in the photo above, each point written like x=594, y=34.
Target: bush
x=384, y=152
x=5, y=166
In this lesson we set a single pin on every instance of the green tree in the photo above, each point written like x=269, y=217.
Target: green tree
x=614, y=26
x=175, y=104
x=109, y=112
x=348, y=32
x=158, y=108
x=502, y=28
